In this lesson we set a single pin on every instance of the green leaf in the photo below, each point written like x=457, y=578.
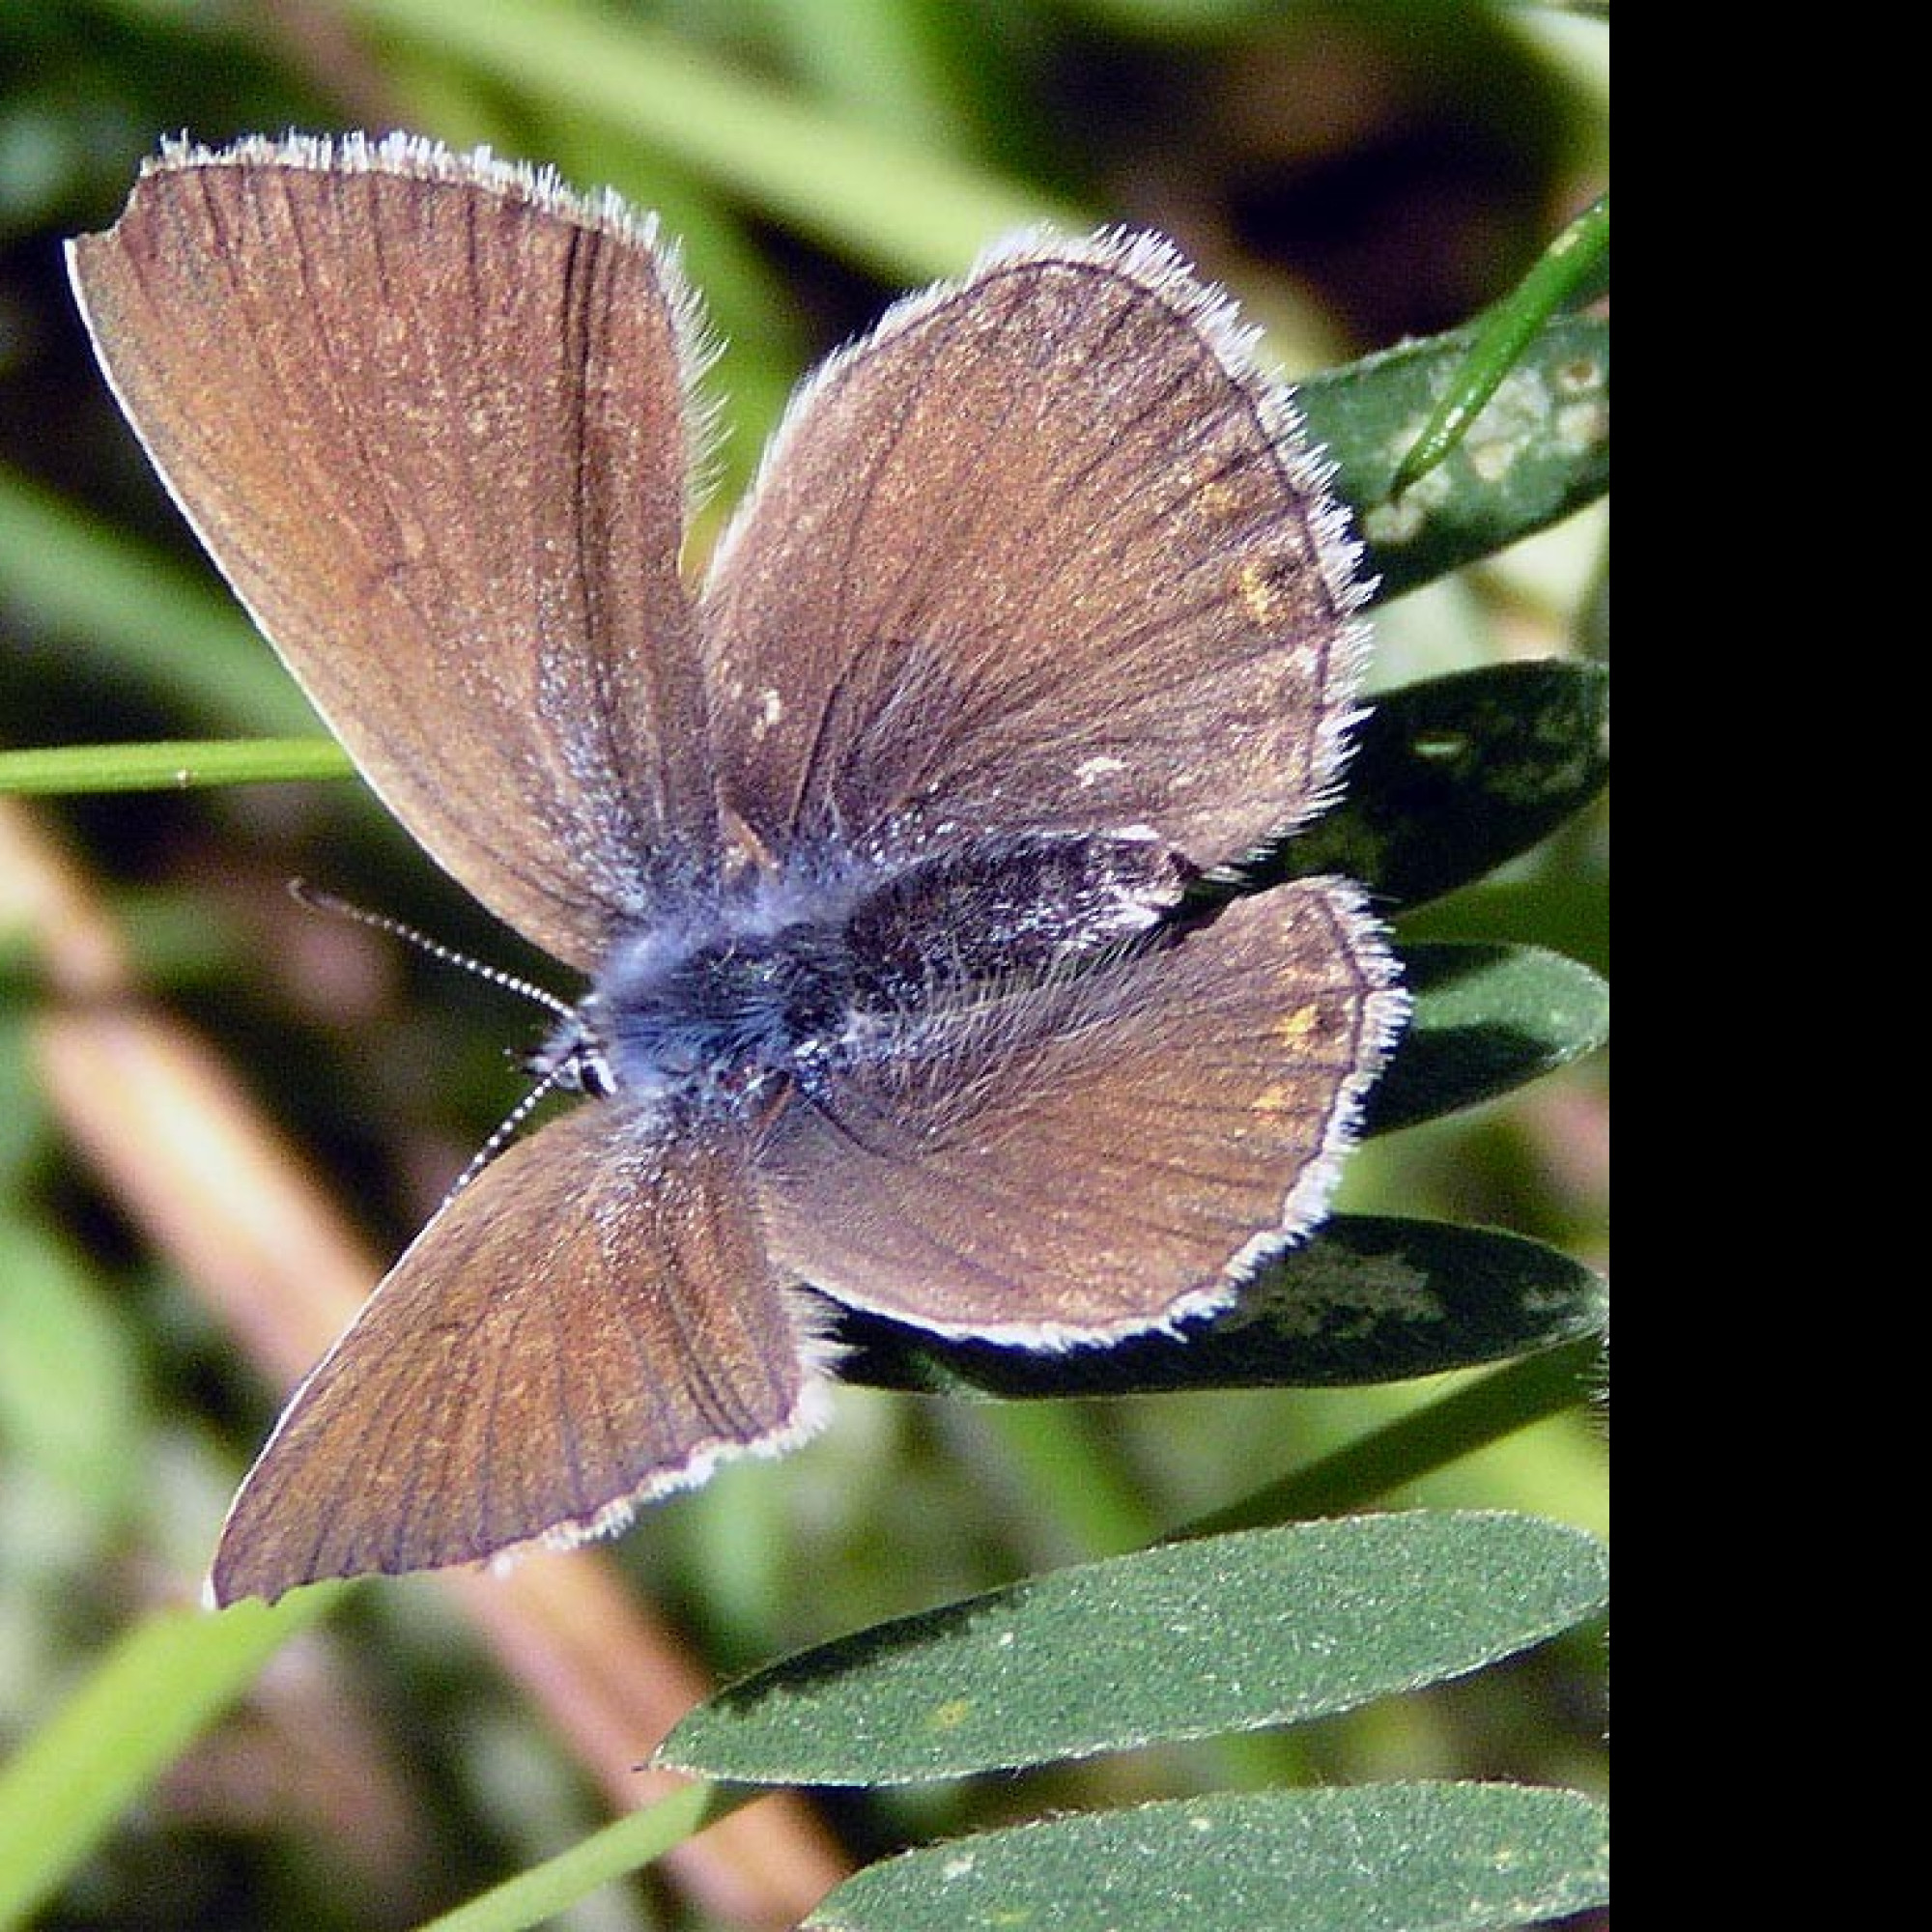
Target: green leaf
x=1453, y=776
x=1366, y=1299
x=1442, y=1431
x=70, y=1399
x=1540, y=449
x=1380, y=1858
x=1571, y=270
x=1487, y=1018
x=1183, y=1640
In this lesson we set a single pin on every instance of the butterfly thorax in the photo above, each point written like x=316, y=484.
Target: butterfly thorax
x=721, y=1017
x=785, y=982
x=738, y=1009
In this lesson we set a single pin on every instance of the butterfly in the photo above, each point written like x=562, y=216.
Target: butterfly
x=875, y=847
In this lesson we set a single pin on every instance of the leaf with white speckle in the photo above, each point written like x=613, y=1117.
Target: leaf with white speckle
x=1390, y=1858
x=1181, y=1640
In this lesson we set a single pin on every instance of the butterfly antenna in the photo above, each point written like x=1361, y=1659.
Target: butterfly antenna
x=505, y=1132
x=511, y=983
x=328, y=901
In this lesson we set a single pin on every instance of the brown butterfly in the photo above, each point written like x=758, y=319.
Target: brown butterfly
x=874, y=848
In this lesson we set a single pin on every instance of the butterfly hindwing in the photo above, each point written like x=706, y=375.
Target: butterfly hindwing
x=592, y=1320
x=1090, y=1154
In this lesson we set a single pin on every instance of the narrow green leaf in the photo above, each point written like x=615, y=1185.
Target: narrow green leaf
x=540, y=1894
x=1444, y=1430
x=159, y=1687
x=1183, y=1640
x=1178, y=17
x=1487, y=1018
x=1570, y=269
x=1455, y=775
x=171, y=766
x=1366, y=1299
x=1540, y=449
x=893, y=67
x=1378, y=1857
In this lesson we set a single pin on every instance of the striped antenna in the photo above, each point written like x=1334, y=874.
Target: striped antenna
x=511, y=983
x=563, y=1071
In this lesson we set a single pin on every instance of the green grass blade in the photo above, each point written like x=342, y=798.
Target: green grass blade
x=157, y=1689
x=70, y=1400
x=1540, y=449
x=898, y=206
x=163, y=625
x=1570, y=269
x=540, y=1892
x=1453, y=1426
x=171, y=766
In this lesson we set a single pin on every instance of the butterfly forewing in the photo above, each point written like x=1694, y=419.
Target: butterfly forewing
x=1044, y=551
x=428, y=415
x=1100, y=1151
x=593, y=1320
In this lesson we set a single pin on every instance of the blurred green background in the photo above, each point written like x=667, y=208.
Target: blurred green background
x=1355, y=174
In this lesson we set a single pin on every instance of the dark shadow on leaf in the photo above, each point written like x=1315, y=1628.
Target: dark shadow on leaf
x=1488, y=1018
x=1454, y=777
x=1368, y=1298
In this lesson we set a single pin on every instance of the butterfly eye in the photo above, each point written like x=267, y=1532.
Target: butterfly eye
x=574, y=1057
x=590, y=1073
